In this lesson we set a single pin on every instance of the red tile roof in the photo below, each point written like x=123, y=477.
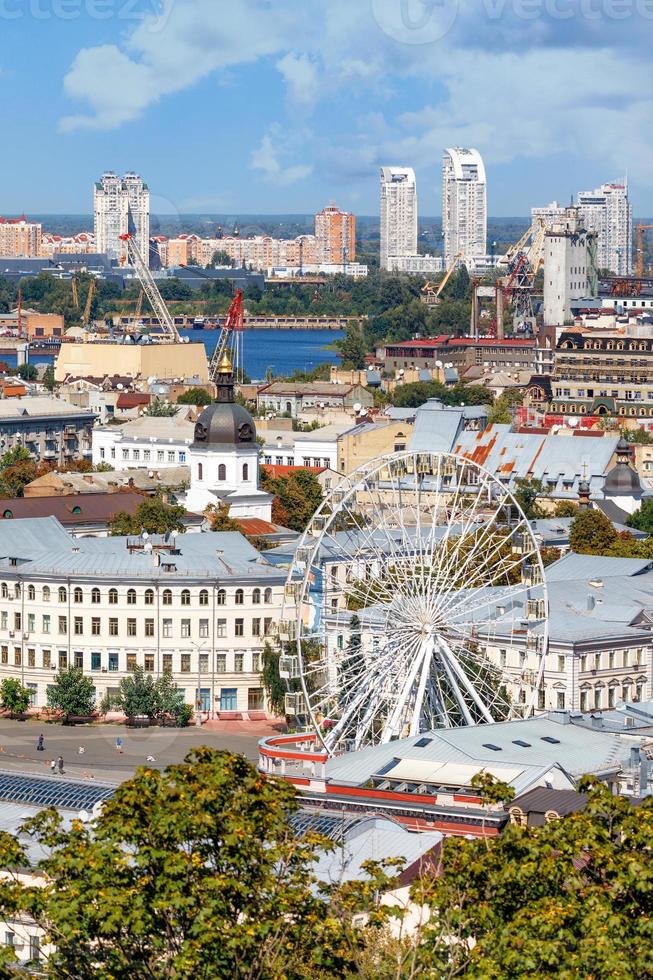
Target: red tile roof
x=132, y=399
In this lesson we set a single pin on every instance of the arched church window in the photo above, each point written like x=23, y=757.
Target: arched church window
x=200, y=471
x=245, y=471
x=222, y=472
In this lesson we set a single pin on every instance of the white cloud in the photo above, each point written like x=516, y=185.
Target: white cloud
x=515, y=87
x=268, y=160
x=301, y=77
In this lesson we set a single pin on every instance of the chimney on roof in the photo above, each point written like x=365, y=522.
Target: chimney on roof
x=591, y=603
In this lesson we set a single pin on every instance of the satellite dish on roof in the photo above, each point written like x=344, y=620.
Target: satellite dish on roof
x=573, y=423
x=97, y=808
x=119, y=386
x=357, y=407
x=438, y=364
x=84, y=816
x=145, y=535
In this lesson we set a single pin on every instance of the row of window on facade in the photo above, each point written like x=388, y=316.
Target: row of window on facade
x=316, y=461
x=147, y=455
x=222, y=472
x=260, y=626
x=96, y=660
x=131, y=595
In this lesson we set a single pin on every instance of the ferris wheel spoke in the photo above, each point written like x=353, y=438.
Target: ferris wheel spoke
x=423, y=550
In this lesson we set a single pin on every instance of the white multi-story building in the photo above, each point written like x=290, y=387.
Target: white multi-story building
x=549, y=214
x=567, y=266
x=398, y=214
x=121, y=205
x=147, y=441
x=199, y=606
x=607, y=212
x=464, y=204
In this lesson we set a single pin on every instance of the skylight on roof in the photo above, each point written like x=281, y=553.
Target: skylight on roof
x=519, y=741
x=489, y=745
x=550, y=739
x=423, y=742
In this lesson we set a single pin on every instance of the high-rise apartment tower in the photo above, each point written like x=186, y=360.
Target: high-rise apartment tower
x=335, y=234
x=398, y=214
x=464, y=205
x=121, y=205
x=607, y=212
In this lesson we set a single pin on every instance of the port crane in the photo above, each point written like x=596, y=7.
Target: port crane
x=231, y=333
x=151, y=290
x=432, y=294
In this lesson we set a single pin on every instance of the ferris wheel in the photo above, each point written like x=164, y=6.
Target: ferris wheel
x=416, y=600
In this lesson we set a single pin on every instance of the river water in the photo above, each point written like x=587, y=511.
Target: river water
x=278, y=351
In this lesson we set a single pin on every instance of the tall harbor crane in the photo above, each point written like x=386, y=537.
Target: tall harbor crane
x=231, y=338
x=151, y=290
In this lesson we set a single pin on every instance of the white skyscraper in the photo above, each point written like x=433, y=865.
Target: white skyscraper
x=464, y=205
x=607, y=212
x=398, y=215
x=121, y=205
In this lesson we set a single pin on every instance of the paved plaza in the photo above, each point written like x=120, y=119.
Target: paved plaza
x=100, y=759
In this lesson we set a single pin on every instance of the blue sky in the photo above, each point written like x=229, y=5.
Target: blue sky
x=284, y=105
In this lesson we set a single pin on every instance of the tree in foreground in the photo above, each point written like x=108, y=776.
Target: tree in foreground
x=13, y=696
x=194, y=872
x=195, y=396
x=72, y=693
x=571, y=899
x=642, y=519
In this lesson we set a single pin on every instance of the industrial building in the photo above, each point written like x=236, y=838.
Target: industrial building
x=49, y=428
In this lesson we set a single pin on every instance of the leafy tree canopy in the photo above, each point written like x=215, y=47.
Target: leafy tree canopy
x=592, y=533
x=642, y=519
x=299, y=494
x=142, y=694
x=153, y=516
x=13, y=696
x=72, y=693
x=194, y=872
x=158, y=408
x=195, y=396
x=415, y=394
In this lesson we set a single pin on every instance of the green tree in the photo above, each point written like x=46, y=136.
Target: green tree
x=545, y=901
x=142, y=694
x=592, y=533
x=642, y=519
x=352, y=348
x=27, y=372
x=220, y=257
x=72, y=693
x=220, y=519
x=14, y=479
x=16, y=455
x=527, y=493
x=299, y=495
x=566, y=508
x=160, y=409
x=195, y=396
x=275, y=687
x=13, y=696
x=153, y=516
x=194, y=872
x=48, y=378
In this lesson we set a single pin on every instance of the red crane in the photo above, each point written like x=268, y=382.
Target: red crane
x=232, y=327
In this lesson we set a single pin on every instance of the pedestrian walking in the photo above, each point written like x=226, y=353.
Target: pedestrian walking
x=60, y=765
x=40, y=744
x=53, y=765
x=119, y=745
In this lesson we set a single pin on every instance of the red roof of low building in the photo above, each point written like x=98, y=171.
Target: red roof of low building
x=132, y=399
x=93, y=508
x=446, y=340
x=256, y=525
